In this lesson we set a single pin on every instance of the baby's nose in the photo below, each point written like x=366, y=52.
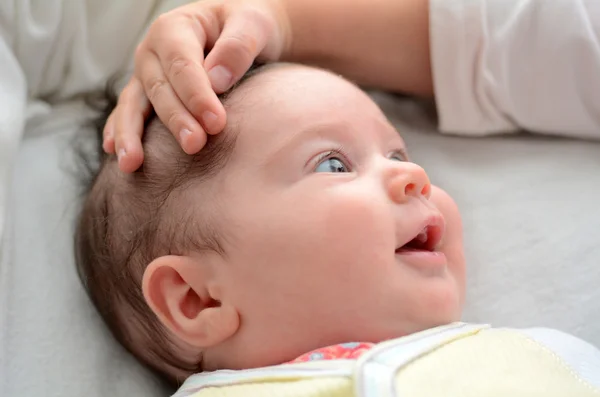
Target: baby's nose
x=406, y=180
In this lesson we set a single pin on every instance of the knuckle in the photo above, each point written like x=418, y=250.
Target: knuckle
x=173, y=120
x=262, y=20
x=161, y=26
x=164, y=24
x=197, y=102
x=177, y=64
x=204, y=22
x=154, y=86
x=241, y=46
x=163, y=21
x=257, y=15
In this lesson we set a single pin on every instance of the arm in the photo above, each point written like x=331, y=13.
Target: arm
x=498, y=65
x=378, y=43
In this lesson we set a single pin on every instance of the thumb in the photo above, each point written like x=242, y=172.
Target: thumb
x=244, y=36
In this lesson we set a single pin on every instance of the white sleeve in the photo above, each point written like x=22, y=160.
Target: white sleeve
x=504, y=65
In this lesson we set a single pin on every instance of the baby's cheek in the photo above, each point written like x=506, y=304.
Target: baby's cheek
x=360, y=222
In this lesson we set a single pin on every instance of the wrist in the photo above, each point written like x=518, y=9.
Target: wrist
x=308, y=36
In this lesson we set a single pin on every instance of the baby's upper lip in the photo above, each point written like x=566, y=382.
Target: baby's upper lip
x=428, y=234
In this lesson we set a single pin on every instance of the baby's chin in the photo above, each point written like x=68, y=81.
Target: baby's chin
x=434, y=323
x=450, y=318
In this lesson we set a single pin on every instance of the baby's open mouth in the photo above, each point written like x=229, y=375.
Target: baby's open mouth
x=426, y=240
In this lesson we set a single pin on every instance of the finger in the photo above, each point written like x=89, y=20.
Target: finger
x=179, y=44
x=170, y=110
x=108, y=143
x=128, y=120
x=244, y=36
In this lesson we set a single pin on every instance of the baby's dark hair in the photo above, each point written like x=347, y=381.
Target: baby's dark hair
x=128, y=220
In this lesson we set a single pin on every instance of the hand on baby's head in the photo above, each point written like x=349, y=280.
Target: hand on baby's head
x=173, y=76
x=303, y=225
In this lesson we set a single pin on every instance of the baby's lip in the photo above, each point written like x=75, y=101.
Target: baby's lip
x=427, y=236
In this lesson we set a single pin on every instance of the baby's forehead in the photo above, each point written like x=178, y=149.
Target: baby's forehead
x=280, y=88
x=287, y=99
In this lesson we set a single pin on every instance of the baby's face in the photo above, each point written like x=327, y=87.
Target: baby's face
x=318, y=200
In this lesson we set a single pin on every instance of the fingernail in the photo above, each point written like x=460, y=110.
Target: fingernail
x=184, y=135
x=220, y=78
x=121, y=154
x=208, y=119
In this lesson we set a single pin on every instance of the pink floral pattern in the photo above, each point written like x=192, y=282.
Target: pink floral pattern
x=346, y=351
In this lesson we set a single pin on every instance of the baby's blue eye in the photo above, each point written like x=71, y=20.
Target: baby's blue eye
x=398, y=156
x=331, y=164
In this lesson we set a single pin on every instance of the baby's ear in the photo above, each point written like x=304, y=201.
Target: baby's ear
x=177, y=290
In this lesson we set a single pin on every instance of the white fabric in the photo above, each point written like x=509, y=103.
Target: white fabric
x=503, y=64
x=55, y=49
x=529, y=205
x=51, y=343
x=580, y=356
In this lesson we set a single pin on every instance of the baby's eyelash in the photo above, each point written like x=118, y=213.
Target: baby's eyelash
x=404, y=153
x=337, y=152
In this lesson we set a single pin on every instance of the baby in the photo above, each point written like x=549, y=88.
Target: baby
x=301, y=232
